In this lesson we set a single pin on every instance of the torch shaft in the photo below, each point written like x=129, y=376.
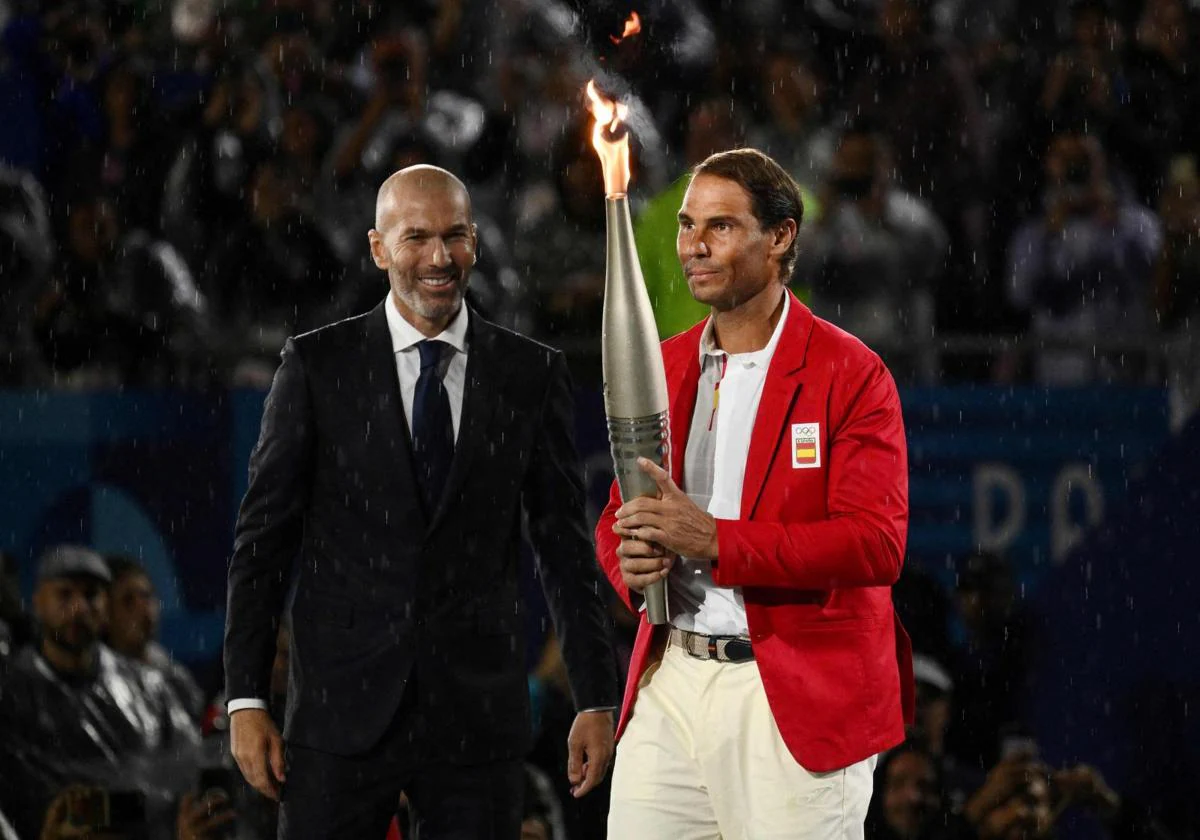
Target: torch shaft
x=635, y=381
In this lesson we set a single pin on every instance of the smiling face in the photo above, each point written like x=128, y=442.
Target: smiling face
x=424, y=239
x=726, y=254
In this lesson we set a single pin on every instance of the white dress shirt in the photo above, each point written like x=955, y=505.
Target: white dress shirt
x=405, y=338
x=696, y=602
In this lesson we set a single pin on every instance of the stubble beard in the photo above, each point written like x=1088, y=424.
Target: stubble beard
x=430, y=310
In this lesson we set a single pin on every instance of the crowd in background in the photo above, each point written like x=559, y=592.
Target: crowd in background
x=186, y=182
x=93, y=710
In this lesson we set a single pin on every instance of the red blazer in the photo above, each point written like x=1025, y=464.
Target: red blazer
x=819, y=544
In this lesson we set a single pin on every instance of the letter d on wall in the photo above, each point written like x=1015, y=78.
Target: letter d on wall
x=1064, y=532
x=991, y=532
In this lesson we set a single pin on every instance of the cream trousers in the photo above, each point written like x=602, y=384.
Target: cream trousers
x=702, y=759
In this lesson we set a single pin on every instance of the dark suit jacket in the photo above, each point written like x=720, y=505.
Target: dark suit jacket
x=386, y=594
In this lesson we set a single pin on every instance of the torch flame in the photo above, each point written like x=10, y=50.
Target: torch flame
x=613, y=149
x=632, y=27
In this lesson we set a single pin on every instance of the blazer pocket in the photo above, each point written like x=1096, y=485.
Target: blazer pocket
x=850, y=623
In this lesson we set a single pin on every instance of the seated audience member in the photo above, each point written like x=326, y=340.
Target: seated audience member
x=71, y=710
x=935, y=709
x=908, y=803
x=134, y=609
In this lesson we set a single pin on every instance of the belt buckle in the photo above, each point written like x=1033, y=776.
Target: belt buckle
x=712, y=648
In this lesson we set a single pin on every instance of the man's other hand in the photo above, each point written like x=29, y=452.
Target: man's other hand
x=258, y=750
x=589, y=750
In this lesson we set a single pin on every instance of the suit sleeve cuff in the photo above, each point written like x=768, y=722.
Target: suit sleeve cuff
x=245, y=703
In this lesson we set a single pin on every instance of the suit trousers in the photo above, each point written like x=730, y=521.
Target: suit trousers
x=335, y=797
x=702, y=759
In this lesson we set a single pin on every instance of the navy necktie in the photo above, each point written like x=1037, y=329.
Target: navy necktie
x=433, y=428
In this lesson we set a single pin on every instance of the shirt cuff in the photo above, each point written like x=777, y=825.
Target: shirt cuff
x=245, y=703
x=599, y=709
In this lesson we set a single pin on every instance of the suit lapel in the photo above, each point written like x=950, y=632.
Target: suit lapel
x=387, y=427
x=483, y=383
x=779, y=395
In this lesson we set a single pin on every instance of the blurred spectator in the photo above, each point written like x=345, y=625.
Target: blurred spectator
x=209, y=178
x=796, y=130
x=1082, y=268
x=561, y=233
x=993, y=664
x=540, y=84
x=26, y=253
x=1086, y=76
x=907, y=804
x=874, y=257
x=1177, y=286
x=918, y=89
x=73, y=710
x=1163, y=95
x=273, y=275
x=543, y=818
x=1088, y=83
x=1014, y=800
x=935, y=691
x=291, y=57
x=934, y=711
x=397, y=108
x=15, y=628
x=119, y=307
x=135, y=154
x=77, y=47
x=1123, y=818
x=134, y=610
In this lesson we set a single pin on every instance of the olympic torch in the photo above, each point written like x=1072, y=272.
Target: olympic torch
x=635, y=382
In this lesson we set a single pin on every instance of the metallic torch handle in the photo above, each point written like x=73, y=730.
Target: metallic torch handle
x=635, y=381
x=642, y=437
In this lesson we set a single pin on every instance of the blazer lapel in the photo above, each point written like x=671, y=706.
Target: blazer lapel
x=484, y=380
x=684, y=402
x=779, y=395
x=387, y=427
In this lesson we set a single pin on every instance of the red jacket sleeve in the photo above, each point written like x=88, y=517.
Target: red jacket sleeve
x=606, y=546
x=861, y=540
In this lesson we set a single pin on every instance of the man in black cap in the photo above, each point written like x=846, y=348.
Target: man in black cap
x=73, y=710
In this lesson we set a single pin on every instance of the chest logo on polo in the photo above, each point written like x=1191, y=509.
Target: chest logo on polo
x=806, y=445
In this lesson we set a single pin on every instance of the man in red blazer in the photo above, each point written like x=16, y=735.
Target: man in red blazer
x=760, y=710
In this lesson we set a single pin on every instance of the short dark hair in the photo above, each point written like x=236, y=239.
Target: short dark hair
x=124, y=565
x=774, y=194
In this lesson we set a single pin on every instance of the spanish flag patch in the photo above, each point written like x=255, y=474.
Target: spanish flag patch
x=806, y=445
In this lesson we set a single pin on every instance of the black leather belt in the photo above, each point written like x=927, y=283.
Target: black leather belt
x=720, y=648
